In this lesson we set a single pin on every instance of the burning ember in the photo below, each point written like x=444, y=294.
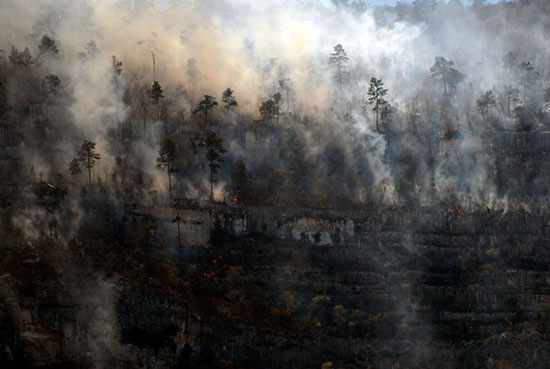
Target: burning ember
x=208, y=275
x=236, y=198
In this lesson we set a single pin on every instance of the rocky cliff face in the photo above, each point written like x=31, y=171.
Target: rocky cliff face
x=291, y=288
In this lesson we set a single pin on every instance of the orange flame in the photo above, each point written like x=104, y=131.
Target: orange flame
x=208, y=275
x=236, y=197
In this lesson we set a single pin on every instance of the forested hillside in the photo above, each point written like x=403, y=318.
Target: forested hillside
x=170, y=172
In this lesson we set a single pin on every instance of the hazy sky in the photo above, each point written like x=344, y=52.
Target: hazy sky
x=267, y=3
x=262, y=4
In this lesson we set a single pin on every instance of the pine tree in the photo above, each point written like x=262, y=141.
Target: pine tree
x=442, y=70
x=338, y=59
x=271, y=108
x=485, y=102
x=376, y=95
x=214, y=149
x=229, y=99
x=48, y=47
x=21, y=58
x=208, y=103
x=87, y=156
x=167, y=154
x=54, y=84
x=74, y=168
x=156, y=95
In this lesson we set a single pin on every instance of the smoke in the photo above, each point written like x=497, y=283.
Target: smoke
x=204, y=47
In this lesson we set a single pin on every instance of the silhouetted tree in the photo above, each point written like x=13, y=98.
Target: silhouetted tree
x=156, y=95
x=178, y=220
x=74, y=168
x=229, y=99
x=338, y=60
x=485, y=102
x=208, y=103
x=376, y=95
x=442, y=71
x=47, y=47
x=54, y=84
x=167, y=154
x=214, y=149
x=88, y=156
x=271, y=108
x=21, y=58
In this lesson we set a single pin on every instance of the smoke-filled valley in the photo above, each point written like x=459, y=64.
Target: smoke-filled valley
x=218, y=184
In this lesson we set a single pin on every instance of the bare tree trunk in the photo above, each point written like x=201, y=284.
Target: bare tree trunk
x=178, y=219
x=377, y=130
x=169, y=180
x=89, y=171
x=211, y=182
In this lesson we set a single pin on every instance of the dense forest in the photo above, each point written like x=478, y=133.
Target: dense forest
x=117, y=116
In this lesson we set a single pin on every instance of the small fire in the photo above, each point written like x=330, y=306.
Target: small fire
x=215, y=261
x=208, y=275
x=236, y=197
